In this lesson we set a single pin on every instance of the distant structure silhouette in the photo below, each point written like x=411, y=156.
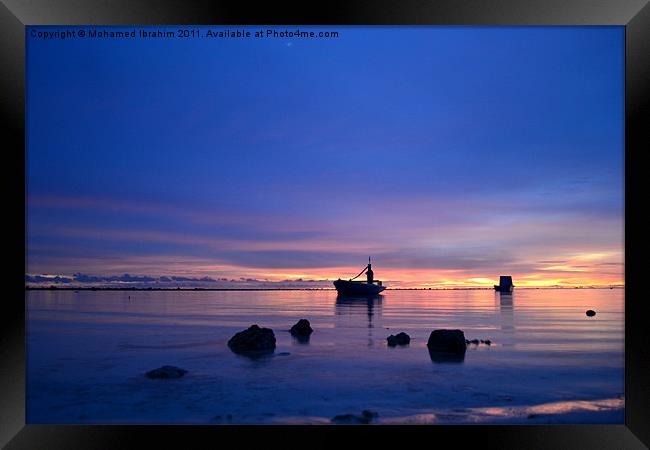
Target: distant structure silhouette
x=505, y=284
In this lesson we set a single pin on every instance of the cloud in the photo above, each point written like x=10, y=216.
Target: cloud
x=47, y=279
x=479, y=236
x=144, y=281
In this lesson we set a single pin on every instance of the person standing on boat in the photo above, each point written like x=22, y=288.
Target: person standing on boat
x=369, y=273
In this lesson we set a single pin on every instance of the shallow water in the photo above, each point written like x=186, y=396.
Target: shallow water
x=87, y=353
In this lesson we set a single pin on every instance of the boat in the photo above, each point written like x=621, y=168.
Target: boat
x=360, y=288
x=352, y=288
x=505, y=284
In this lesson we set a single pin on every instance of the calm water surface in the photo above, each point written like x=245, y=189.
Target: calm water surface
x=87, y=353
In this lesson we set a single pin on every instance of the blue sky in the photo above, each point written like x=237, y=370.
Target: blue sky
x=449, y=153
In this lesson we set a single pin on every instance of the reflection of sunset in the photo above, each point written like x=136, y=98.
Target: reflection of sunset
x=527, y=413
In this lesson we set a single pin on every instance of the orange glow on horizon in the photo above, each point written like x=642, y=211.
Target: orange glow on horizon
x=602, y=269
x=450, y=279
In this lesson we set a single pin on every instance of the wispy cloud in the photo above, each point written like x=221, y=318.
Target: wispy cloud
x=466, y=239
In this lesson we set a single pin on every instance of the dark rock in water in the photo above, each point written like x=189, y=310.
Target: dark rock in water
x=487, y=342
x=591, y=313
x=365, y=417
x=447, y=341
x=302, y=328
x=474, y=341
x=166, y=372
x=254, y=340
x=400, y=339
x=447, y=346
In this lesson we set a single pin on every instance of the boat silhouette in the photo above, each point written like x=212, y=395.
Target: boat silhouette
x=360, y=288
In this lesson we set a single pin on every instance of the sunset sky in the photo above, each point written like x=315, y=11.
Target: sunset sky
x=452, y=155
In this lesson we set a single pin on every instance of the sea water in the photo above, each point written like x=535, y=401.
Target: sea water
x=88, y=351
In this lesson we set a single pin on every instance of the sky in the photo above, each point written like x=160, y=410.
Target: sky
x=451, y=155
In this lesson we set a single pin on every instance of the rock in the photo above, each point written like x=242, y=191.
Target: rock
x=591, y=313
x=474, y=341
x=447, y=341
x=365, y=417
x=487, y=342
x=400, y=339
x=447, y=346
x=166, y=372
x=254, y=340
x=302, y=328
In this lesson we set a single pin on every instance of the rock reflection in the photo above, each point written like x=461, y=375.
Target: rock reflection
x=445, y=357
x=302, y=340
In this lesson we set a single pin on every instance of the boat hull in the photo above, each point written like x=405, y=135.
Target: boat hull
x=503, y=288
x=357, y=288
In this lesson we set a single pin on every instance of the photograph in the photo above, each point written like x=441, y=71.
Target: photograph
x=325, y=225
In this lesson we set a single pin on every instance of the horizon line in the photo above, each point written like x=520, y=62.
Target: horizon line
x=186, y=288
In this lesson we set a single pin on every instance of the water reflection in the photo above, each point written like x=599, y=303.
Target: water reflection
x=354, y=306
x=359, y=305
x=505, y=298
x=505, y=301
x=300, y=339
x=443, y=357
x=554, y=354
x=254, y=355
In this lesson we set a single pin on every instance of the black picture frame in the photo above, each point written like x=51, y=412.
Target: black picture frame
x=16, y=14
